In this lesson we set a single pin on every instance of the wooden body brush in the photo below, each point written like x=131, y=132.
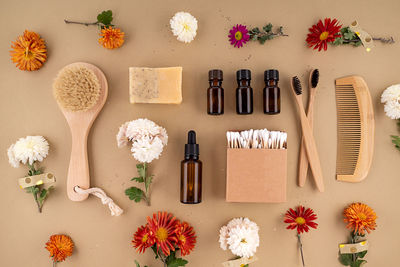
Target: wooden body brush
x=303, y=161
x=309, y=142
x=81, y=91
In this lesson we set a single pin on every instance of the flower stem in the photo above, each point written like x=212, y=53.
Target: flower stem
x=37, y=200
x=81, y=23
x=301, y=249
x=147, y=185
x=54, y=263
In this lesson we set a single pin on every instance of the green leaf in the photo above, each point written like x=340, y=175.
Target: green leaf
x=253, y=37
x=345, y=259
x=262, y=39
x=356, y=44
x=36, y=189
x=148, y=181
x=256, y=30
x=137, y=263
x=358, y=263
x=268, y=27
x=362, y=254
x=134, y=193
x=141, y=170
x=154, y=248
x=105, y=17
x=138, y=179
x=349, y=35
x=338, y=41
x=177, y=262
x=396, y=141
x=43, y=194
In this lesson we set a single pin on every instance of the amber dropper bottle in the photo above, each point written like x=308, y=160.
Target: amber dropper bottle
x=215, y=93
x=244, y=93
x=271, y=92
x=191, y=169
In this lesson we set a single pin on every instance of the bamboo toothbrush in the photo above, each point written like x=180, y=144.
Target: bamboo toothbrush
x=309, y=142
x=81, y=91
x=303, y=161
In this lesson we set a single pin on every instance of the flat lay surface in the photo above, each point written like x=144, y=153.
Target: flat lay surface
x=28, y=108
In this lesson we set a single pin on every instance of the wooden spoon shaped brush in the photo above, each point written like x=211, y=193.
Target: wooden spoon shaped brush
x=303, y=161
x=81, y=91
x=309, y=142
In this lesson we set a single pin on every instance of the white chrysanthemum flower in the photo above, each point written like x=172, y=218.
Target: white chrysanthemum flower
x=139, y=128
x=243, y=241
x=28, y=150
x=184, y=26
x=391, y=98
x=240, y=236
x=223, y=237
x=242, y=222
x=122, y=139
x=11, y=157
x=146, y=150
x=146, y=137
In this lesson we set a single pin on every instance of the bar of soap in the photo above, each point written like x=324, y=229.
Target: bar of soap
x=155, y=85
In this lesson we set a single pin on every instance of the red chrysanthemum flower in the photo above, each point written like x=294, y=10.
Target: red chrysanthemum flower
x=161, y=231
x=239, y=35
x=301, y=218
x=323, y=33
x=141, y=239
x=186, y=237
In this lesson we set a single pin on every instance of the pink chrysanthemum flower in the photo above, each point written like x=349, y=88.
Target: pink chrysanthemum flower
x=238, y=35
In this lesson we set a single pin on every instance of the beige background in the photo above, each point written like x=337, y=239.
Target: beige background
x=28, y=108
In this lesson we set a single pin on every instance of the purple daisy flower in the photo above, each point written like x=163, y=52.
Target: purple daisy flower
x=238, y=35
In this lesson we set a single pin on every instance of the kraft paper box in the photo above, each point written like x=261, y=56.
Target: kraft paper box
x=256, y=175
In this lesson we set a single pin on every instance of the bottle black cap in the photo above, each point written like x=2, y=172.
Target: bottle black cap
x=215, y=74
x=243, y=74
x=191, y=148
x=271, y=75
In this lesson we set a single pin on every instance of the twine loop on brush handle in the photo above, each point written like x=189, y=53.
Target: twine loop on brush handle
x=114, y=208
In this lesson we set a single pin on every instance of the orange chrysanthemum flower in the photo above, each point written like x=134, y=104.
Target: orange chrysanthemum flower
x=29, y=51
x=141, y=239
x=360, y=218
x=111, y=37
x=60, y=247
x=186, y=238
x=161, y=229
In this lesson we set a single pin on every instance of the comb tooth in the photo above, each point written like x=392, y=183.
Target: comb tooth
x=349, y=129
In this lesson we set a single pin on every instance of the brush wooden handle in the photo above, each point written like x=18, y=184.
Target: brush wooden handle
x=303, y=160
x=309, y=142
x=78, y=171
x=80, y=124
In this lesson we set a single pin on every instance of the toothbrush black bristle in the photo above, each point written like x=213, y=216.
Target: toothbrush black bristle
x=314, y=78
x=296, y=85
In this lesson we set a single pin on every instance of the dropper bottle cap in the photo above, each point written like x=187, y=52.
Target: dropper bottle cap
x=191, y=148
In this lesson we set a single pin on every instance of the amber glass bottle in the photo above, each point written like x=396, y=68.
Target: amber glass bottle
x=215, y=93
x=191, y=169
x=271, y=92
x=244, y=93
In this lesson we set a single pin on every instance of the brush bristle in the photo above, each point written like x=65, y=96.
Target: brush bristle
x=76, y=88
x=314, y=78
x=296, y=85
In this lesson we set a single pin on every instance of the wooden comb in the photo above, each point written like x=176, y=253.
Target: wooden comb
x=356, y=128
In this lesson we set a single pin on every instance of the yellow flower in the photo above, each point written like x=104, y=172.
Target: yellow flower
x=60, y=247
x=360, y=218
x=111, y=37
x=29, y=51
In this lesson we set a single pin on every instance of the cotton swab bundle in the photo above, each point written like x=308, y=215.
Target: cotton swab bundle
x=257, y=139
